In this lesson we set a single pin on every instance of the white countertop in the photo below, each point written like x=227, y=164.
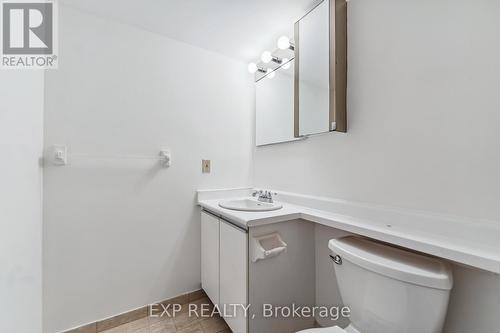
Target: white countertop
x=473, y=243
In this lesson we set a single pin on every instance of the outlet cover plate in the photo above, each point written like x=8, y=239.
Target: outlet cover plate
x=205, y=166
x=59, y=155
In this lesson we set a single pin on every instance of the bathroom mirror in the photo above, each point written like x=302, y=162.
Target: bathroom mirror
x=274, y=106
x=321, y=70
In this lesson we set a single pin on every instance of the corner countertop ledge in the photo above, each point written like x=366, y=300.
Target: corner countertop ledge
x=471, y=242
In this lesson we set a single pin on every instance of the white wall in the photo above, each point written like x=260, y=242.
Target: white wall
x=121, y=233
x=423, y=133
x=21, y=142
x=423, y=113
x=422, y=110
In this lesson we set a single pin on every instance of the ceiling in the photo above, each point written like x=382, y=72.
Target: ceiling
x=240, y=29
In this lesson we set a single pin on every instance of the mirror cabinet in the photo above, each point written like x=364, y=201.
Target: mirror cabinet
x=274, y=102
x=306, y=95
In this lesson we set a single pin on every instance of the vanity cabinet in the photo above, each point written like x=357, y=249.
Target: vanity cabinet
x=233, y=272
x=210, y=256
x=224, y=268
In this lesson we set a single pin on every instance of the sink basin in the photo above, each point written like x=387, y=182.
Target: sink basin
x=249, y=205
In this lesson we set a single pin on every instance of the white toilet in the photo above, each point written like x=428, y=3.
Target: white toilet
x=389, y=290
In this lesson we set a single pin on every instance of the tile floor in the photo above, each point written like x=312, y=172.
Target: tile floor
x=181, y=323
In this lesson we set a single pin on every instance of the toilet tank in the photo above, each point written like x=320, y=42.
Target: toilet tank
x=390, y=290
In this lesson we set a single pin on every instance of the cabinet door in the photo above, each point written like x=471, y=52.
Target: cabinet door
x=210, y=256
x=233, y=273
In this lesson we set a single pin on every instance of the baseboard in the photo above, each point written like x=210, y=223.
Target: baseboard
x=133, y=315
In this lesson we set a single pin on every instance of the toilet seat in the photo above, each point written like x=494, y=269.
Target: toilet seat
x=333, y=329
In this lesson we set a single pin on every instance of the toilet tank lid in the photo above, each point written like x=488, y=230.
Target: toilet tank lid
x=393, y=262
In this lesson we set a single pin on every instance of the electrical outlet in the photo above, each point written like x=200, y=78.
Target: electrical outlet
x=205, y=166
x=59, y=155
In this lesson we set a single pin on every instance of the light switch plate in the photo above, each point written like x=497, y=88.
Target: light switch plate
x=59, y=155
x=205, y=166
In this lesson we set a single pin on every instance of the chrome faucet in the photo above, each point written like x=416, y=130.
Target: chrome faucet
x=264, y=196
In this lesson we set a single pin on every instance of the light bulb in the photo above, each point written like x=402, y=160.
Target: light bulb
x=266, y=57
x=252, y=67
x=283, y=43
x=286, y=63
x=270, y=73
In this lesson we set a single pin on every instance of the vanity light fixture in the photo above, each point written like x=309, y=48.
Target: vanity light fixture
x=284, y=43
x=263, y=67
x=268, y=57
x=278, y=60
x=253, y=68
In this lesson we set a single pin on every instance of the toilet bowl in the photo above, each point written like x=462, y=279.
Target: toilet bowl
x=389, y=290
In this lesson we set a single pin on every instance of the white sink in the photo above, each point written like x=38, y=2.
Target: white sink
x=249, y=205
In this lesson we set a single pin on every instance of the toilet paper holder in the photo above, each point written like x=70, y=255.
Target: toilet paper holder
x=267, y=246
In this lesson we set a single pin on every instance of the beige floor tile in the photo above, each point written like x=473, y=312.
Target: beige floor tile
x=184, y=320
x=164, y=326
x=154, y=320
x=196, y=295
x=203, y=300
x=214, y=325
x=122, y=319
x=192, y=329
x=155, y=310
x=90, y=328
x=137, y=325
x=119, y=329
x=203, y=307
x=185, y=307
x=141, y=330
